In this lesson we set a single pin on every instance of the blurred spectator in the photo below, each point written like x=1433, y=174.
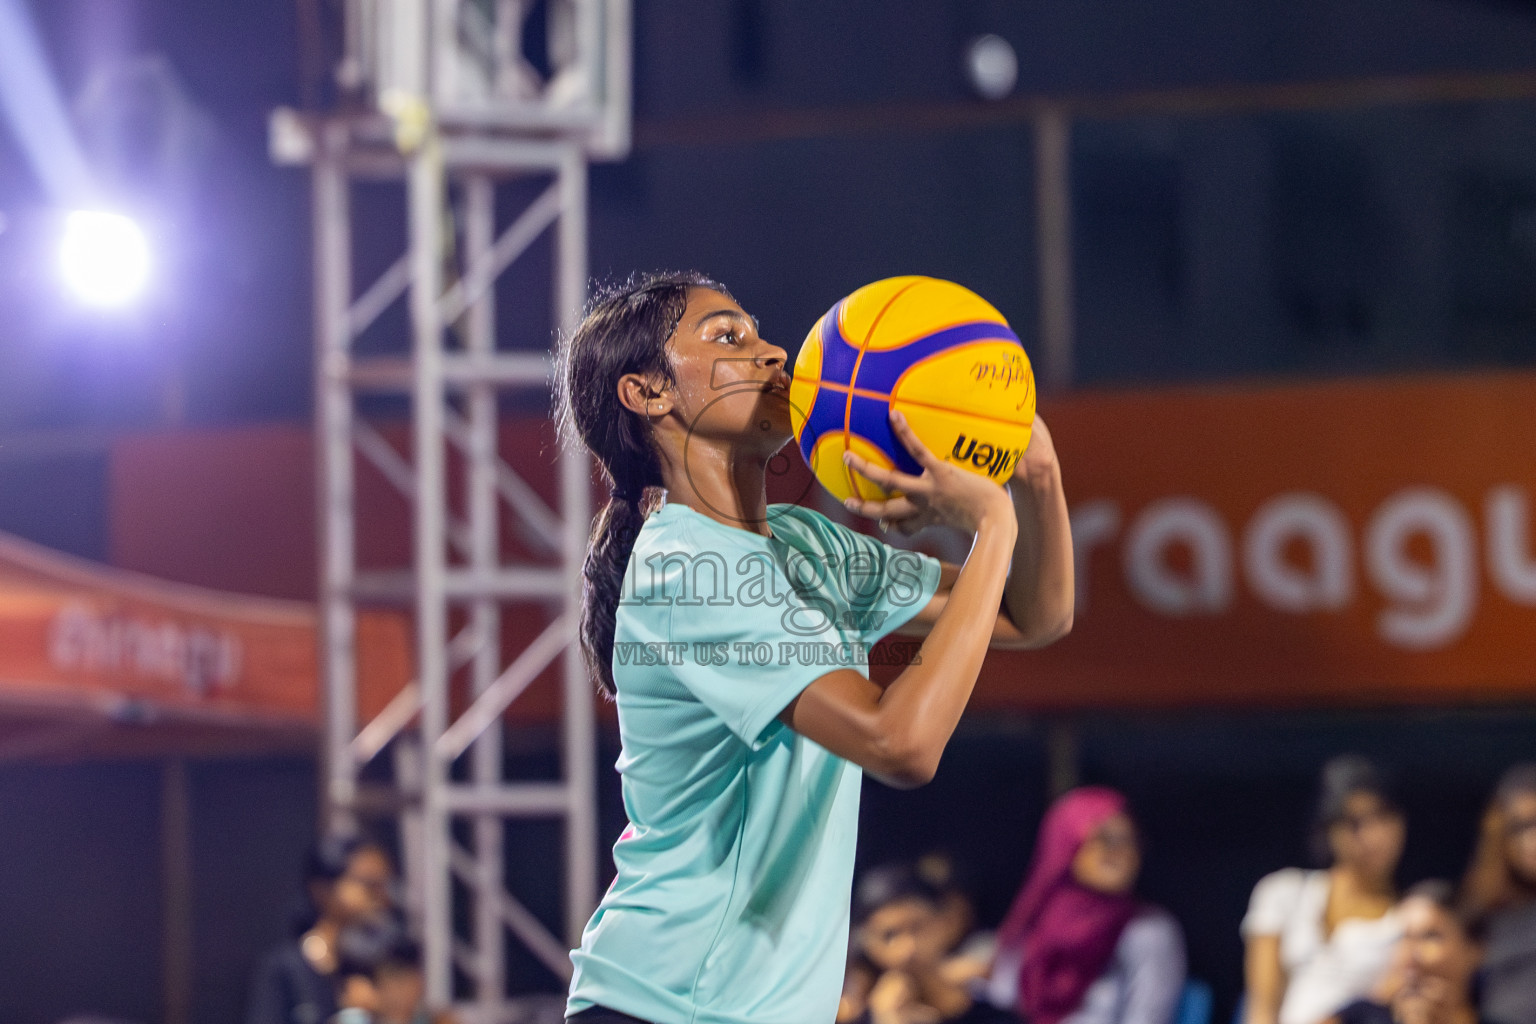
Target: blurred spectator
x=347, y=883
x=400, y=987
x=1078, y=946
x=901, y=942
x=968, y=950
x=858, y=978
x=389, y=987
x=355, y=991
x=1501, y=889
x=1437, y=959
x=1319, y=940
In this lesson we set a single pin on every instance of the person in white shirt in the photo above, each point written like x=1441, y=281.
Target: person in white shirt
x=1317, y=941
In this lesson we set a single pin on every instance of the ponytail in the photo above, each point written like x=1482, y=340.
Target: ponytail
x=625, y=331
x=602, y=574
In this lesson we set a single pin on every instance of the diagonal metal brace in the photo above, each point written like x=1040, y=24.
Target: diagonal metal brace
x=390, y=286
x=540, y=214
x=507, y=688
x=403, y=706
x=552, y=953
x=399, y=473
x=540, y=526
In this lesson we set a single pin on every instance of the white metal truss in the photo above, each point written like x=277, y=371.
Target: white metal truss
x=455, y=107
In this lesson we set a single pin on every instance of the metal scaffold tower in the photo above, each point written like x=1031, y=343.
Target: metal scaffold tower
x=448, y=103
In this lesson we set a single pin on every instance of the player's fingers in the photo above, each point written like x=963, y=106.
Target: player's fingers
x=901, y=507
x=888, y=509
x=909, y=440
x=866, y=507
x=890, y=479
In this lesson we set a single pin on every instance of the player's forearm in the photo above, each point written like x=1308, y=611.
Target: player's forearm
x=920, y=709
x=1040, y=592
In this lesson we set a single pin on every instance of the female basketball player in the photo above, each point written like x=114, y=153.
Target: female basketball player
x=732, y=635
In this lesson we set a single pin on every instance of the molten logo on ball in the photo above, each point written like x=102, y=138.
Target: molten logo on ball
x=994, y=460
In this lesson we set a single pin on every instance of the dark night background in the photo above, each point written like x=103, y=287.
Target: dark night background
x=1384, y=240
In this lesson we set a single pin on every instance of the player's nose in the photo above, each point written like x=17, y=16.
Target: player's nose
x=771, y=355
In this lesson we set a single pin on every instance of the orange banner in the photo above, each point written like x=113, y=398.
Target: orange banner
x=75, y=633
x=1342, y=542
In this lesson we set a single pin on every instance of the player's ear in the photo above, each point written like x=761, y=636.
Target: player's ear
x=644, y=395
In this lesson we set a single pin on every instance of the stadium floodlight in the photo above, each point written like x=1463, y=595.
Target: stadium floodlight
x=104, y=257
x=991, y=66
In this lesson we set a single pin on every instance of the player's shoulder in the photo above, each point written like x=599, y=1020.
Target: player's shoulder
x=784, y=515
x=678, y=528
x=797, y=521
x=679, y=550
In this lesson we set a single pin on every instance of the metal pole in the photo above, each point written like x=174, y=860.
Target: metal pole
x=1053, y=222
x=425, y=202
x=1063, y=754
x=176, y=888
x=580, y=740
x=333, y=462
x=482, y=506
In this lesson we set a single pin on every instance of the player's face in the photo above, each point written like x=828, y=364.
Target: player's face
x=729, y=384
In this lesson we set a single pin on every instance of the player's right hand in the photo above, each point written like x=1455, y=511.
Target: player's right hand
x=944, y=493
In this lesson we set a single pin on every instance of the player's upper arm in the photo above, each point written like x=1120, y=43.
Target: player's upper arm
x=1005, y=634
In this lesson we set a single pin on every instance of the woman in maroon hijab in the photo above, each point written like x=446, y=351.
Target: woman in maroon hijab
x=1078, y=947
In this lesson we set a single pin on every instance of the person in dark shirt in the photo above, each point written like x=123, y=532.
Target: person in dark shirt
x=1436, y=960
x=902, y=945
x=1501, y=887
x=347, y=882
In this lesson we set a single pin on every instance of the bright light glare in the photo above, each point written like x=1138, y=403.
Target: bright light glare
x=104, y=256
x=992, y=66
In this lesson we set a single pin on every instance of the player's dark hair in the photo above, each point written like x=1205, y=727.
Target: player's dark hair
x=1341, y=778
x=626, y=330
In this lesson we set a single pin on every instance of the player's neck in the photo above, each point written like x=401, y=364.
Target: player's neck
x=720, y=484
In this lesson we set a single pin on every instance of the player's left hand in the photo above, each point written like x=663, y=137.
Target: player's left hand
x=1039, y=461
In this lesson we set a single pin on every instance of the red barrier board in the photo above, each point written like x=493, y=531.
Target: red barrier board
x=76, y=636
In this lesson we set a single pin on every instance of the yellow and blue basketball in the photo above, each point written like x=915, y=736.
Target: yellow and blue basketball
x=936, y=351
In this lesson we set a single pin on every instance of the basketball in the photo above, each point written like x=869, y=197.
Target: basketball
x=932, y=349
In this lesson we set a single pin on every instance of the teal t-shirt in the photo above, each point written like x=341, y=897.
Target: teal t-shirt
x=730, y=905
